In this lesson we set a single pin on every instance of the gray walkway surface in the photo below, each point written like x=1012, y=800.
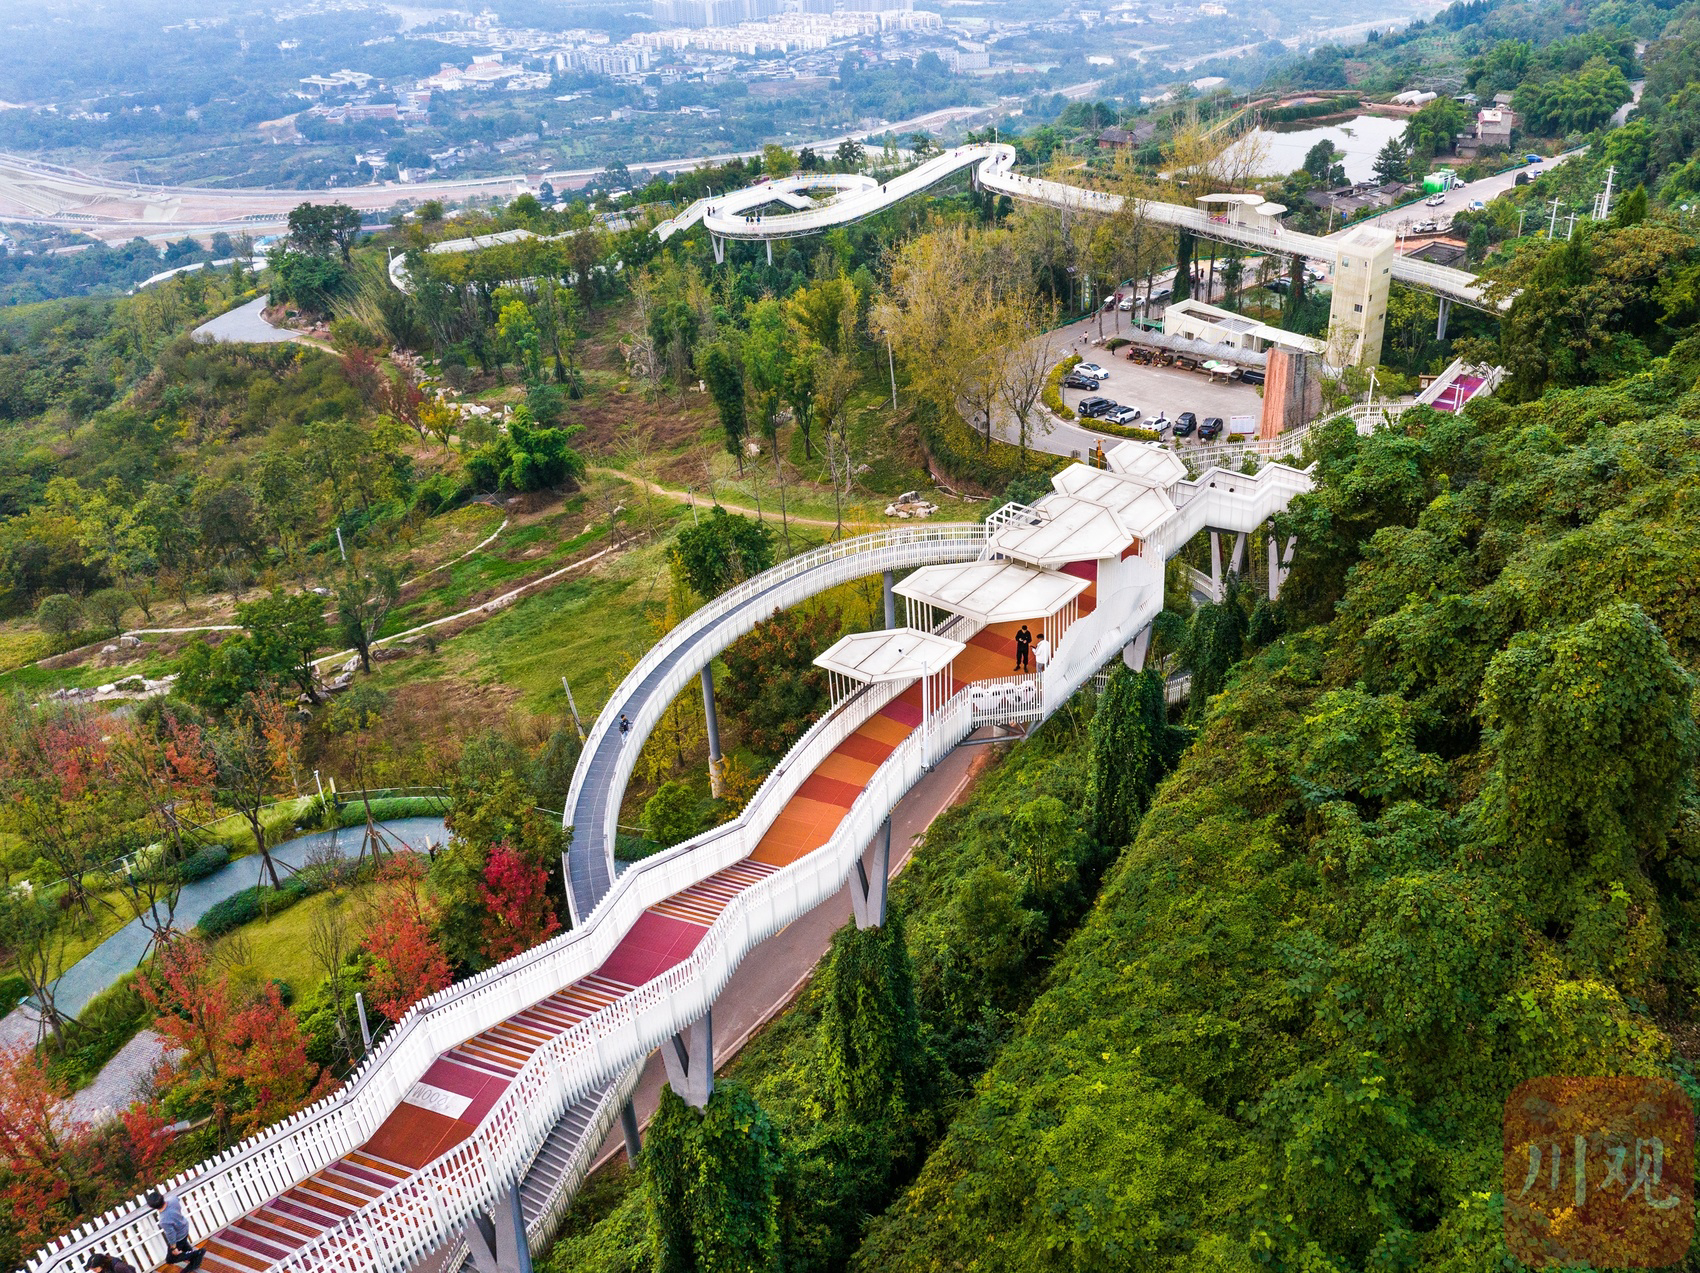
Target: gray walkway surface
x=246, y=324
x=122, y=1080
x=122, y=951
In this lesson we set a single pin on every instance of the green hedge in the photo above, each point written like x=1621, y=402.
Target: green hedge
x=1125, y=431
x=203, y=862
x=352, y=810
x=251, y=904
x=1052, y=397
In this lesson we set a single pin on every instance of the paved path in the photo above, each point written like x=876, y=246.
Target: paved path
x=247, y=325
x=1459, y=198
x=127, y=1077
x=125, y=949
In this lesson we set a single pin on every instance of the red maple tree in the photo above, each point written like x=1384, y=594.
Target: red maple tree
x=517, y=914
x=42, y=1148
x=408, y=962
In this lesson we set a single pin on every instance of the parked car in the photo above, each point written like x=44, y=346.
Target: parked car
x=1122, y=415
x=1435, y=200
x=1251, y=376
x=1210, y=429
x=1185, y=423
x=1075, y=380
x=1092, y=408
x=1126, y=306
x=1476, y=205
x=1532, y=159
x=1163, y=293
x=1425, y=227
x=1091, y=369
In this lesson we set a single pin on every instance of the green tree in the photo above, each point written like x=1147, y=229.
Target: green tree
x=876, y=1075
x=527, y=457
x=1392, y=162
x=721, y=550
x=1322, y=164
x=673, y=814
x=285, y=632
x=1434, y=129
x=1132, y=747
x=59, y=615
x=1593, y=729
x=518, y=329
x=1214, y=643
x=365, y=595
x=726, y=386
x=321, y=229
x=1572, y=103
x=712, y=1178
x=773, y=690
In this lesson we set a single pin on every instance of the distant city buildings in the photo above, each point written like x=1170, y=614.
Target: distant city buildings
x=712, y=13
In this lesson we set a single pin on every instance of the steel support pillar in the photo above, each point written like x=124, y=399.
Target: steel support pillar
x=1237, y=563
x=770, y=251
x=496, y=1243
x=689, y=1058
x=719, y=249
x=1440, y=322
x=1134, y=652
x=868, y=884
x=890, y=601
x=716, y=765
x=629, y=1125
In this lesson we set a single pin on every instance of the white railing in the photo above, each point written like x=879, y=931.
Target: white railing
x=1008, y=700
x=894, y=548
x=1203, y=583
x=226, y=1188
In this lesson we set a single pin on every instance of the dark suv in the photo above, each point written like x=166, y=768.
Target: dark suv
x=1185, y=423
x=1092, y=408
x=1076, y=380
x=1211, y=429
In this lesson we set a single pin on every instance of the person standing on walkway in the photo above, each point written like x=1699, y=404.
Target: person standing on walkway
x=175, y=1227
x=1023, y=641
x=1042, y=653
x=625, y=727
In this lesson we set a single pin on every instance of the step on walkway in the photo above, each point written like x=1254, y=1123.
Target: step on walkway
x=446, y=1106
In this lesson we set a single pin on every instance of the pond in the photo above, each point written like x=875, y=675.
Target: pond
x=1361, y=139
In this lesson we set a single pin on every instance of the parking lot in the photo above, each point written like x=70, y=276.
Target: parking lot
x=1166, y=390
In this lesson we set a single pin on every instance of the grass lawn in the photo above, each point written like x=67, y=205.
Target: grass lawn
x=280, y=948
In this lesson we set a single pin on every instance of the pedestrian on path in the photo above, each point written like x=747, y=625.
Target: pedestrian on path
x=1042, y=653
x=625, y=727
x=101, y=1262
x=175, y=1227
x=1023, y=641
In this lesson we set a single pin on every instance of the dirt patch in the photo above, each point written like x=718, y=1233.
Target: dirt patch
x=659, y=423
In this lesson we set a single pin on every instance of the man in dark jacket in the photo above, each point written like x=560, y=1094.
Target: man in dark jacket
x=1023, y=642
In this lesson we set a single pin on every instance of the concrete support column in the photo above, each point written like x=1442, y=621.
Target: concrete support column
x=629, y=1125
x=689, y=1058
x=1274, y=565
x=1286, y=564
x=719, y=249
x=1216, y=564
x=1134, y=652
x=716, y=765
x=1237, y=563
x=496, y=1243
x=1440, y=322
x=868, y=884
x=887, y=584
x=770, y=251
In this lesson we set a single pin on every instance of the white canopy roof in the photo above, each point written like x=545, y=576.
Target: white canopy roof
x=897, y=654
x=1141, y=509
x=1063, y=529
x=1146, y=462
x=992, y=591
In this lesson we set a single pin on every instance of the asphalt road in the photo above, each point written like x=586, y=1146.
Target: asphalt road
x=246, y=324
x=771, y=976
x=1460, y=197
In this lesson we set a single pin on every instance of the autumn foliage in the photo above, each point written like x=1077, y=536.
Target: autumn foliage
x=408, y=962
x=517, y=911
x=42, y=1147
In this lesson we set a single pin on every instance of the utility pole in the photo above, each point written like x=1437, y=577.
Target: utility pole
x=1552, y=225
x=1605, y=198
x=1521, y=213
x=1571, y=229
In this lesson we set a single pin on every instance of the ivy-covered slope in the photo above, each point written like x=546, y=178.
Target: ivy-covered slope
x=1439, y=838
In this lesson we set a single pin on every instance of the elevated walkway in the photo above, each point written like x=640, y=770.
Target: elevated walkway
x=466, y=1099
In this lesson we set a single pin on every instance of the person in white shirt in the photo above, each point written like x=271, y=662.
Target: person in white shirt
x=1042, y=653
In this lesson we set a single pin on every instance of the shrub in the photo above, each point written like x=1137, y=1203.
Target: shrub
x=203, y=862
x=1116, y=342
x=960, y=454
x=672, y=814
x=107, y=606
x=59, y=615
x=251, y=904
x=1052, y=397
